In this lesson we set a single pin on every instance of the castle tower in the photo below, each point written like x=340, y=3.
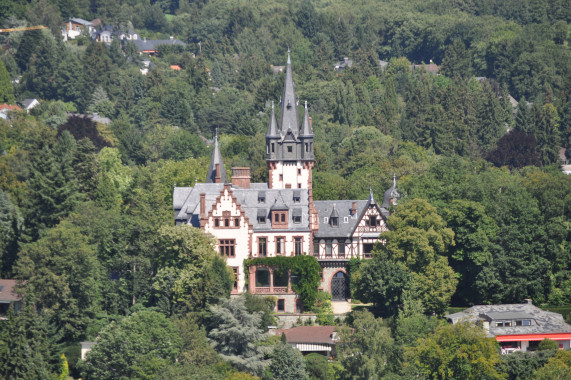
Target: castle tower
x=289, y=145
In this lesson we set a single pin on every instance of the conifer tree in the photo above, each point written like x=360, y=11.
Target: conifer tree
x=287, y=363
x=6, y=88
x=523, y=118
x=548, y=134
x=52, y=186
x=11, y=224
x=235, y=334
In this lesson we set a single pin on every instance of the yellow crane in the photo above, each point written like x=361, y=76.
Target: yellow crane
x=22, y=29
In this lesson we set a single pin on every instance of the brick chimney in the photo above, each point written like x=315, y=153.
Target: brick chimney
x=241, y=177
x=202, y=209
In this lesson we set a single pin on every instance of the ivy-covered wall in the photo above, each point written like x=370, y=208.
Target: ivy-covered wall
x=305, y=268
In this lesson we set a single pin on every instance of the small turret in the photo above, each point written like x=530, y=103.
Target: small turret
x=391, y=195
x=216, y=171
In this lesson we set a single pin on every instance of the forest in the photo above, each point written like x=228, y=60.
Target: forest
x=86, y=220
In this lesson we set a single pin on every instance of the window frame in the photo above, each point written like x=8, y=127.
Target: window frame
x=227, y=247
x=280, y=246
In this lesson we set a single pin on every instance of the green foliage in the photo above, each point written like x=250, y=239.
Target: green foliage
x=64, y=368
x=234, y=335
x=11, y=224
x=316, y=366
x=412, y=324
x=455, y=351
x=63, y=279
x=522, y=365
x=306, y=268
x=323, y=309
x=412, y=256
x=6, y=88
x=557, y=367
x=548, y=344
x=382, y=282
x=368, y=350
x=25, y=348
x=264, y=305
x=190, y=274
x=137, y=346
x=287, y=363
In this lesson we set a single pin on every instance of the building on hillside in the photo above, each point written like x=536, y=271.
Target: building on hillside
x=517, y=327
x=73, y=28
x=312, y=339
x=151, y=46
x=6, y=109
x=8, y=296
x=346, y=63
x=29, y=104
x=280, y=218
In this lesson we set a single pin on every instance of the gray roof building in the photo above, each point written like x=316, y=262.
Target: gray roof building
x=151, y=46
x=513, y=319
x=257, y=202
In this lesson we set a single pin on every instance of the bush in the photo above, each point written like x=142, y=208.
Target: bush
x=548, y=344
x=316, y=366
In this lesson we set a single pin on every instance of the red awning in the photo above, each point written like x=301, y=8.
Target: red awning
x=528, y=337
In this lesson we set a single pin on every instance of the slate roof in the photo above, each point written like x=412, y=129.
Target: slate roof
x=152, y=45
x=542, y=322
x=186, y=204
x=393, y=193
x=306, y=129
x=216, y=159
x=28, y=102
x=7, y=293
x=80, y=21
x=347, y=221
x=289, y=118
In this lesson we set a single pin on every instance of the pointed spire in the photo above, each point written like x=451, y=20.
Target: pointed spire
x=306, y=129
x=273, y=127
x=289, y=111
x=392, y=195
x=216, y=171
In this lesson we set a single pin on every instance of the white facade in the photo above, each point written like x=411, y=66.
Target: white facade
x=290, y=175
x=228, y=223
